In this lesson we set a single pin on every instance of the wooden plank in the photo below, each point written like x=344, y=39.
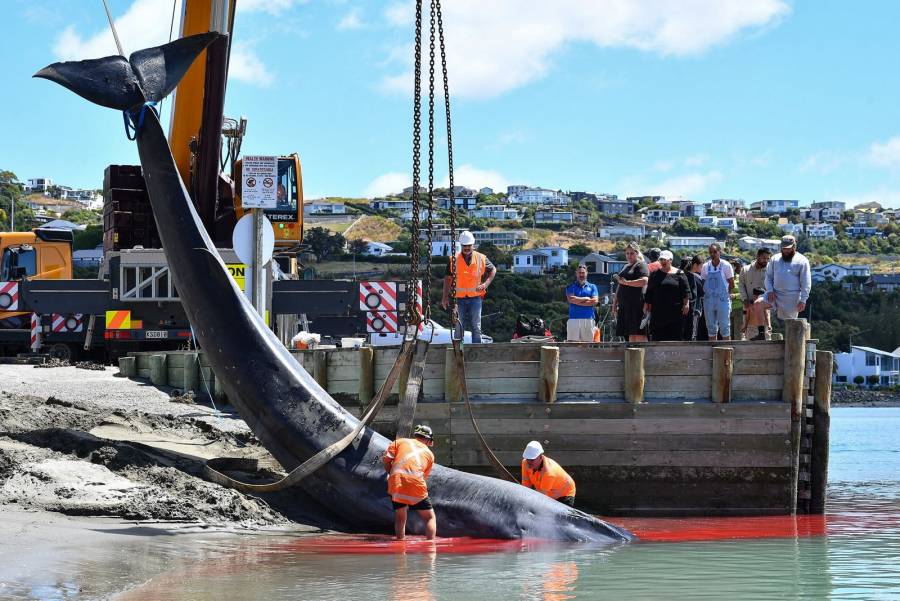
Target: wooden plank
x=772, y=395
x=348, y=387
x=503, y=369
x=722, y=374
x=712, y=459
x=753, y=367
x=432, y=371
x=757, y=350
x=699, y=367
x=343, y=358
x=633, y=379
x=768, y=382
x=588, y=410
x=686, y=383
x=554, y=443
x=526, y=386
x=483, y=353
x=366, y=388
x=539, y=427
x=423, y=411
x=549, y=374
x=589, y=385
x=583, y=354
x=578, y=369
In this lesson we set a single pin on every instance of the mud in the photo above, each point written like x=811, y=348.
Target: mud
x=50, y=461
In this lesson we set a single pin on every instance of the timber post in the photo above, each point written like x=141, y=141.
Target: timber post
x=158, y=374
x=128, y=367
x=722, y=370
x=821, y=425
x=366, y=375
x=634, y=375
x=320, y=368
x=549, y=374
x=452, y=385
x=191, y=372
x=795, y=335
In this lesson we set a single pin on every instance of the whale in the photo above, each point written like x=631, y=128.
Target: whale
x=290, y=414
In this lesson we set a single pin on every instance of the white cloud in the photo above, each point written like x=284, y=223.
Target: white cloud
x=663, y=166
x=696, y=160
x=500, y=45
x=350, y=21
x=389, y=183
x=823, y=163
x=885, y=155
x=473, y=177
x=686, y=185
x=273, y=7
x=887, y=197
x=247, y=67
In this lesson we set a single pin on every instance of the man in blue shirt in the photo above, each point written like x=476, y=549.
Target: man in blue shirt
x=583, y=297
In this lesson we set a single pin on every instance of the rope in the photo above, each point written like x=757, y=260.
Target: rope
x=134, y=124
x=112, y=26
x=327, y=454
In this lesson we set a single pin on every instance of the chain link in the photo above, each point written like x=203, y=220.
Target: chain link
x=412, y=316
x=427, y=280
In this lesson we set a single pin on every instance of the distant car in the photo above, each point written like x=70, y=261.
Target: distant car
x=441, y=336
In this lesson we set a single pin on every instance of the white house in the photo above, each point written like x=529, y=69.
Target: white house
x=752, y=243
x=727, y=223
x=617, y=232
x=538, y=196
x=464, y=202
x=444, y=248
x=39, y=185
x=327, y=208
x=598, y=264
x=486, y=191
x=554, y=216
x=869, y=218
x=862, y=231
x=536, y=261
x=377, y=249
x=774, y=207
x=820, y=231
x=496, y=212
x=502, y=238
x=728, y=206
x=664, y=216
x=793, y=229
x=390, y=204
x=865, y=361
x=885, y=282
x=836, y=273
x=679, y=242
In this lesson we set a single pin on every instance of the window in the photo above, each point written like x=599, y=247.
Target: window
x=872, y=359
x=842, y=378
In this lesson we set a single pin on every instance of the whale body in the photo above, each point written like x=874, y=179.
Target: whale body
x=292, y=415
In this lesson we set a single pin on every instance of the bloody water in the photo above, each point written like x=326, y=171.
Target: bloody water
x=851, y=553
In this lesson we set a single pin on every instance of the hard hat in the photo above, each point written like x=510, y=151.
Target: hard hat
x=424, y=432
x=466, y=238
x=533, y=450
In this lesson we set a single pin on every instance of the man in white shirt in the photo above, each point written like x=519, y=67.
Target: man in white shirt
x=788, y=280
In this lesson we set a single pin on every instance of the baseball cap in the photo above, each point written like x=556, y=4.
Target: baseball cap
x=667, y=255
x=788, y=242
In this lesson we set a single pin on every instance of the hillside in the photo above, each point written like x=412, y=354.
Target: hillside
x=374, y=229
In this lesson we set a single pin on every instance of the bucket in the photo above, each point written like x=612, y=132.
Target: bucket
x=352, y=342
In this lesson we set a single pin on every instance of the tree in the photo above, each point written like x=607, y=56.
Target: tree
x=872, y=380
x=580, y=250
x=323, y=243
x=82, y=216
x=358, y=247
x=858, y=380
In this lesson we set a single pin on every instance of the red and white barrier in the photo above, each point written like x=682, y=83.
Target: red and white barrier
x=35, y=332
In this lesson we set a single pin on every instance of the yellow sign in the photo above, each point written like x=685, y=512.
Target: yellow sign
x=237, y=271
x=118, y=320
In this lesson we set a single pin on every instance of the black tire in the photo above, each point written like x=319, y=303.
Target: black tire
x=63, y=352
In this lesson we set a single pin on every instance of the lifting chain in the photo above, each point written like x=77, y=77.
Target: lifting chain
x=426, y=282
x=412, y=315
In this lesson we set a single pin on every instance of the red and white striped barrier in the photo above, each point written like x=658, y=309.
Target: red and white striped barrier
x=35, y=332
x=67, y=322
x=9, y=296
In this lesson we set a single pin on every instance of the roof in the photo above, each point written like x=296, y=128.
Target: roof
x=602, y=258
x=886, y=278
x=869, y=349
x=62, y=224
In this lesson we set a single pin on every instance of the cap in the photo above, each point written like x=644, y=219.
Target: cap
x=424, y=432
x=788, y=241
x=466, y=238
x=533, y=450
x=667, y=255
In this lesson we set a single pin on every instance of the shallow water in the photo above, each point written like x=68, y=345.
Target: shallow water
x=852, y=553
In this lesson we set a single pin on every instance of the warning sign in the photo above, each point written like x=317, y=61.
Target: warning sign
x=259, y=175
x=238, y=272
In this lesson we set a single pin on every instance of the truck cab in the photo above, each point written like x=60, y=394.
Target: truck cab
x=41, y=254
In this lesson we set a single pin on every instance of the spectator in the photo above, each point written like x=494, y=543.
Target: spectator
x=628, y=301
x=718, y=281
x=583, y=297
x=737, y=306
x=668, y=300
x=696, y=266
x=653, y=255
x=755, y=277
x=788, y=280
x=758, y=326
x=689, y=331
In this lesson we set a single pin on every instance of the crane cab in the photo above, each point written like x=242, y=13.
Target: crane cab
x=287, y=216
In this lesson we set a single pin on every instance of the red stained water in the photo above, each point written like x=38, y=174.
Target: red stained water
x=672, y=530
x=383, y=545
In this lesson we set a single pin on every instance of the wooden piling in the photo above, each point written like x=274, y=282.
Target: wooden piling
x=158, y=374
x=821, y=424
x=127, y=367
x=722, y=369
x=452, y=385
x=320, y=368
x=634, y=375
x=366, y=375
x=549, y=375
x=191, y=372
x=795, y=334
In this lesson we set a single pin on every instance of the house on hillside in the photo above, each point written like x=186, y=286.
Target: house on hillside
x=774, y=207
x=751, y=243
x=537, y=196
x=486, y=191
x=535, y=261
x=884, y=282
x=867, y=362
x=502, y=238
x=791, y=229
x=496, y=212
x=622, y=232
x=444, y=248
x=862, y=231
x=390, y=204
x=835, y=273
x=820, y=231
x=598, y=264
x=615, y=206
x=326, y=208
x=88, y=257
x=377, y=249
x=550, y=216
x=682, y=242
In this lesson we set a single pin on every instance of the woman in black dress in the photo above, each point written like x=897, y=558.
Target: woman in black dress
x=668, y=299
x=628, y=302
x=689, y=330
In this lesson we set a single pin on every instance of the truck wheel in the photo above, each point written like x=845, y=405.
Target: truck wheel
x=62, y=351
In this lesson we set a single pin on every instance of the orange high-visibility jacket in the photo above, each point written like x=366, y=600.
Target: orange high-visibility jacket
x=551, y=479
x=468, y=277
x=408, y=463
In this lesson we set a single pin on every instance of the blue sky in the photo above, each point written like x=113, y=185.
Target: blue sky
x=701, y=98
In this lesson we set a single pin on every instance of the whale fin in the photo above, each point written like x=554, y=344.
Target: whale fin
x=116, y=83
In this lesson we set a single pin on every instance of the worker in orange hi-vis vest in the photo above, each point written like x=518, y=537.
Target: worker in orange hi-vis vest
x=474, y=273
x=408, y=462
x=546, y=476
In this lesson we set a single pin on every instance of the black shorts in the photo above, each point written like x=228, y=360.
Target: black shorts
x=424, y=504
x=570, y=501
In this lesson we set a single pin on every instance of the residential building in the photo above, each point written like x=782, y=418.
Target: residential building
x=514, y=190
x=727, y=223
x=390, y=204
x=688, y=208
x=598, y=264
x=326, y=208
x=444, y=248
x=549, y=216
x=408, y=191
x=82, y=196
x=835, y=273
x=680, y=242
x=792, y=229
x=486, y=191
x=728, y=206
x=536, y=261
x=496, y=212
x=820, y=231
x=650, y=200
x=463, y=191
x=663, y=216
x=883, y=282
x=862, y=231
x=866, y=361
x=615, y=205
x=774, y=207
x=463, y=202
x=377, y=249
x=539, y=196
x=39, y=185
x=869, y=218
x=751, y=243
x=88, y=258
x=408, y=215
x=502, y=238
x=620, y=232
x=439, y=231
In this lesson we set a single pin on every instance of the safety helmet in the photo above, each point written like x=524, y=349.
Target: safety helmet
x=466, y=238
x=533, y=450
x=424, y=431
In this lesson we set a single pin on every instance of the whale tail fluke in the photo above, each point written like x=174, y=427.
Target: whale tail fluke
x=148, y=76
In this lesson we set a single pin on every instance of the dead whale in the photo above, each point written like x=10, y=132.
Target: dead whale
x=287, y=410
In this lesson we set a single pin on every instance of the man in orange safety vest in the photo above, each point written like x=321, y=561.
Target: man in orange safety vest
x=546, y=476
x=474, y=273
x=408, y=462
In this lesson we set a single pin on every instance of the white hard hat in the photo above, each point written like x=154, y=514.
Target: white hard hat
x=533, y=450
x=466, y=238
